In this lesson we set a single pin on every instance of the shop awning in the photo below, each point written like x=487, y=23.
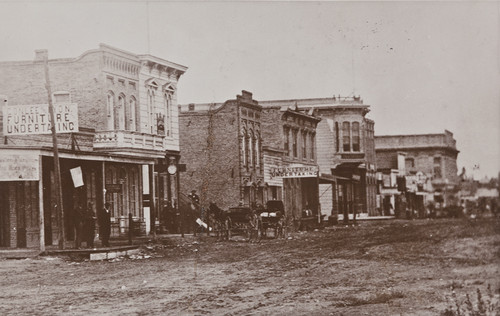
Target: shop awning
x=325, y=178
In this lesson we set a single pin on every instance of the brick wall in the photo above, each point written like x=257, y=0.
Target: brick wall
x=210, y=150
x=272, y=128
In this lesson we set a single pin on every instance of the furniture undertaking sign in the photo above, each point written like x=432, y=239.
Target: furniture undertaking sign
x=35, y=119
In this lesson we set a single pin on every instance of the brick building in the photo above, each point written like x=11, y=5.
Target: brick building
x=119, y=121
x=428, y=163
x=237, y=151
x=345, y=151
x=290, y=166
x=221, y=146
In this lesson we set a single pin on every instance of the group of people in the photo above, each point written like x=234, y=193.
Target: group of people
x=85, y=224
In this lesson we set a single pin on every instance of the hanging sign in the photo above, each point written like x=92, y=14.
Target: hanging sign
x=76, y=175
x=35, y=119
x=295, y=172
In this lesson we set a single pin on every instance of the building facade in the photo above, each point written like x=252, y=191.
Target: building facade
x=238, y=152
x=221, y=146
x=291, y=171
x=118, y=122
x=344, y=138
x=426, y=165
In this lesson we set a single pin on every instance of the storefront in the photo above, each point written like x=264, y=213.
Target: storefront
x=28, y=204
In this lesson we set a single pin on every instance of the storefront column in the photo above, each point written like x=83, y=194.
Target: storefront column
x=41, y=218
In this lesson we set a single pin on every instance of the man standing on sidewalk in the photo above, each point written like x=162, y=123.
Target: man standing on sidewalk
x=105, y=224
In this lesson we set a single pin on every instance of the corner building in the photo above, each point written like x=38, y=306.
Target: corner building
x=124, y=137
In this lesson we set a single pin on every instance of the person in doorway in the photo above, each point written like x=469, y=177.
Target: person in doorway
x=105, y=224
x=90, y=225
x=78, y=217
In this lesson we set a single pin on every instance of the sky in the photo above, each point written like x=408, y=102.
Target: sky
x=423, y=67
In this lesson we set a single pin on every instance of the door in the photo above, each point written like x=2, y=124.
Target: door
x=4, y=216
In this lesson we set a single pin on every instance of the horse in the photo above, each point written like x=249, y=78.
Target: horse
x=221, y=222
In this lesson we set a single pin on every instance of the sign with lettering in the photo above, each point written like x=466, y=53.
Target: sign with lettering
x=35, y=119
x=19, y=167
x=294, y=172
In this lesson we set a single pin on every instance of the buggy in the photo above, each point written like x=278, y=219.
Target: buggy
x=245, y=221
x=273, y=217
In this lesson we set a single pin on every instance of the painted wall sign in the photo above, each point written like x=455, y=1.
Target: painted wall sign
x=295, y=172
x=19, y=167
x=35, y=119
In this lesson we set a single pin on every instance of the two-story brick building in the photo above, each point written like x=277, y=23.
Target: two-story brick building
x=291, y=171
x=345, y=150
x=428, y=163
x=120, y=117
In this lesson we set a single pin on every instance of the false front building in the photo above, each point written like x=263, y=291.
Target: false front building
x=117, y=122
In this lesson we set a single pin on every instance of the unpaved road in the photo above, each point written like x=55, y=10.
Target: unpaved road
x=375, y=268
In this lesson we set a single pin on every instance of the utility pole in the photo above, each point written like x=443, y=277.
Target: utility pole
x=57, y=169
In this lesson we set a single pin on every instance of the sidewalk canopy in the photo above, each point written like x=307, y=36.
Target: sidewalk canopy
x=325, y=178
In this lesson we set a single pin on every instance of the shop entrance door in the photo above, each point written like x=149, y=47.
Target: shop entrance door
x=4, y=216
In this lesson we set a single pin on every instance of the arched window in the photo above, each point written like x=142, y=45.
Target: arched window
x=304, y=145
x=132, y=114
x=120, y=113
x=151, y=118
x=110, y=107
x=257, y=149
x=286, y=134
x=355, y=136
x=346, y=135
x=168, y=113
x=243, y=147
x=250, y=149
x=312, y=145
x=295, y=149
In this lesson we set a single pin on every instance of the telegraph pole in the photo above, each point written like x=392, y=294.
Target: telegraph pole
x=57, y=169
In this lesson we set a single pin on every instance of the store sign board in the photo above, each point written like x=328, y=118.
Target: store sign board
x=35, y=119
x=19, y=167
x=295, y=172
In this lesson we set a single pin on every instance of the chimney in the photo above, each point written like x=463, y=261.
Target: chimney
x=41, y=54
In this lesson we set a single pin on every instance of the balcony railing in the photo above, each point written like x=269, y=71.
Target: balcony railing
x=128, y=139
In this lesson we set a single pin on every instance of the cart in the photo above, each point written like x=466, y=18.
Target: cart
x=273, y=217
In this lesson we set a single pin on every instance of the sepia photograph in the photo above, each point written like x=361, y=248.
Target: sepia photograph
x=163, y=157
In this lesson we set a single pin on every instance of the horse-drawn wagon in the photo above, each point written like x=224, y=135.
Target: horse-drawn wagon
x=273, y=217
x=240, y=220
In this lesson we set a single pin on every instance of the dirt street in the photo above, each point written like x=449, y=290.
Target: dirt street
x=376, y=268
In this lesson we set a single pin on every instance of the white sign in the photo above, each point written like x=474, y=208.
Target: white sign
x=295, y=172
x=76, y=175
x=19, y=167
x=35, y=119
